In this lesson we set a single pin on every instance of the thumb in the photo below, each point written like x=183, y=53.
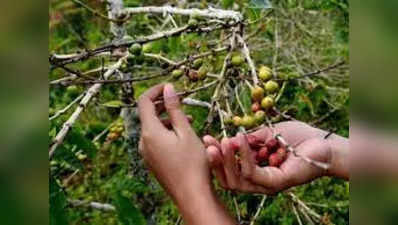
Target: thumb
x=178, y=119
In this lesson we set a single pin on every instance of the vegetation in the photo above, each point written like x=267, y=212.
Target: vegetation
x=273, y=64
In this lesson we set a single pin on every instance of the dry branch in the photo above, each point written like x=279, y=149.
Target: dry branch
x=210, y=13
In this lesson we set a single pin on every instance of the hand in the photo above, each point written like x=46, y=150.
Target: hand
x=306, y=140
x=177, y=157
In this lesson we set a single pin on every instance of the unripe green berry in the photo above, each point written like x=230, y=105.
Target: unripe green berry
x=267, y=102
x=237, y=60
x=271, y=86
x=136, y=49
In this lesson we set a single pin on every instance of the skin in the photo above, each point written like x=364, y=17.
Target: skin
x=178, y=159
x=182, y=163
x=309, y=141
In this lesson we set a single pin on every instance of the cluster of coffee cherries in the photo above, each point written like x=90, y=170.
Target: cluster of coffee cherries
x=262, y=100
x=269, y=153
x=115, y=131
x=198, y=71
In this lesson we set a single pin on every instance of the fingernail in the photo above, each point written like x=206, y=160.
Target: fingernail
x=169, y=91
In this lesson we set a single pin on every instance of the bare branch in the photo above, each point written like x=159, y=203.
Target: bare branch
x=64, y=110
x=211, y=12
x=246, y=52
x=94, y=205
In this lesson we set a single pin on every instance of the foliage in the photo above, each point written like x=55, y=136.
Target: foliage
x=294, y=38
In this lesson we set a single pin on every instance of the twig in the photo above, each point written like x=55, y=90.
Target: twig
x=236, y=208
x=297, y=215
x=246, y=52
x=98, y=13
x=94, y=205
x=64, y=110
x=162, y=58
x=259, y=208
x=195, y=102
x=315, y=72
x=92, y=91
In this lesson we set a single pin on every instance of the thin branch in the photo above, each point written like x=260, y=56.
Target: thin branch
x=246, y=52
x=337, y=65
x=259, y=208
x=94, y=205
x=64, y=110
x=96, y=13
x=160, y=57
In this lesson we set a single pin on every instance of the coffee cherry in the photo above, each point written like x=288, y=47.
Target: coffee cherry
x=264, y=73
x=147, y=48
x=272, y=144
x=193, y=75
x=248, y=122
x=262, y=154
x=237, y=121
x=257, y=93
x=237, y=60
x=275, y=160
x=259, y=116
x=177, y=73
x=72, y=90
x=282, y=153
x=81, y=157
x=256, y=106
x=136, y=49
x=271, y=86
x=267, y=102
x=192, y=22
x=202, y=73
x=197, y=63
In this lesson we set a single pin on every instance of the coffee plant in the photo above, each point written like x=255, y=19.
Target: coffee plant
x=238, y=66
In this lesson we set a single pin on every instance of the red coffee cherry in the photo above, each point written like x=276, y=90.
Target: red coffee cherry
x=272, y=144
x=282, y=153
x=262, y=155
x=275, y=160
x=256, y=107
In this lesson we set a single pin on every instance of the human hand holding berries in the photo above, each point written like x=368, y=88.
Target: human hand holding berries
x=278, y=175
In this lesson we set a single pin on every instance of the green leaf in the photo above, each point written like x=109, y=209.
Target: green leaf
x=64, y=154
x=58, y=215
x=113, y=104
x=128, y=214
x=227, y=3
x=75, y=137
x=245, y=98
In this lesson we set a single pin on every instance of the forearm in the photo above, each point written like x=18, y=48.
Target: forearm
x=198, y=204
x=339, y=157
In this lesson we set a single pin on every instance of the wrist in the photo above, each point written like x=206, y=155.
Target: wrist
x=339, y=162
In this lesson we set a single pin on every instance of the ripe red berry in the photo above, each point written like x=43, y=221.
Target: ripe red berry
x=256, y=106
x=275, y=160
x=282, y=153
x=272, y=144
x=263, y=154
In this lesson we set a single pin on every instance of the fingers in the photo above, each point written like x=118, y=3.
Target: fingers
x=216, y=163
x=230, y=165
x=147, y=109
x=209, y=140
x=167, y=122
x=263, y=134
x=247, y=160
x=177, y=117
